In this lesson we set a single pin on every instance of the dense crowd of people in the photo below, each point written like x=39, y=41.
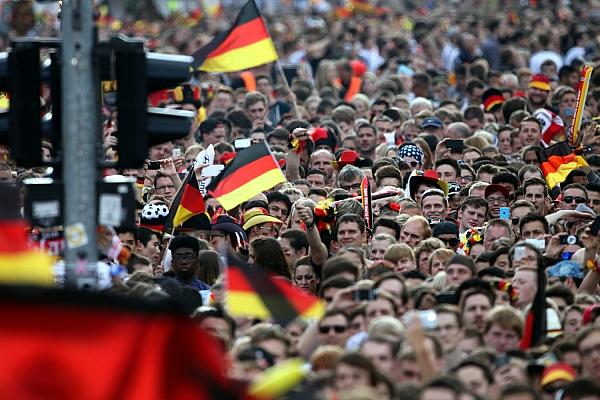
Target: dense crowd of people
x=447, y=111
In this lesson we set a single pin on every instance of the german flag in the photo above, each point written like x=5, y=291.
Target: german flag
x=247, y=44
x=557, y=161
x=252, y=171
x=187, y=203
x=20, y=263
x=156, y=352
x=253, y=293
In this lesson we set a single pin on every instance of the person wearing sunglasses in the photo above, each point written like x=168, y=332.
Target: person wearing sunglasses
x=412, y=155
x=447, y=232
x=333, y=329
x=573, y=195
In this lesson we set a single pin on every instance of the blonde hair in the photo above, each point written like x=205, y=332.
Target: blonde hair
x=397, y=251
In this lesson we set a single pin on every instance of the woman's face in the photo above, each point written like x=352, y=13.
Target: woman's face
x=437, y=265
x=572, y=323
x=305, y=278
x=424, y=262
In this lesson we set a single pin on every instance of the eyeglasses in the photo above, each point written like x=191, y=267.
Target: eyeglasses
x=467, y=178
x=589, y=351
x=577, y=199
x=351, y=188
x=184, y=257
x=324, y=329
x=451, y=242
x=307, y=278
x=497, y=200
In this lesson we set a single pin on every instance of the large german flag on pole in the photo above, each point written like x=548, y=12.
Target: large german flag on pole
x=557, y=161
x=247, y=44
x=187, y=202
x=252, y=171
x=253, y=293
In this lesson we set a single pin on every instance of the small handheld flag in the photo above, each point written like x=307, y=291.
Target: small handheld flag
x=187, y=202
x=253, y=293
x=582, y=90
x=252, y=171
x=557, y=161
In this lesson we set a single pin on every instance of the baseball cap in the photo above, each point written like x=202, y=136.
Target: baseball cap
x=431, y=122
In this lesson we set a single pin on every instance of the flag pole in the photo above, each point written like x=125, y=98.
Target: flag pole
x=278, y=66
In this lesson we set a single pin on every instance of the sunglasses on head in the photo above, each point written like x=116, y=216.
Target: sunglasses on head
x=577, y=199
x=324, y=329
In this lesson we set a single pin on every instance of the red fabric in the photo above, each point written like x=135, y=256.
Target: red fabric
x=56, y=351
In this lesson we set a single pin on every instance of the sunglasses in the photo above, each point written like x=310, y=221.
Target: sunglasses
x=324, y=329
x=412, y=163
x=577, y=199
x=452, y=242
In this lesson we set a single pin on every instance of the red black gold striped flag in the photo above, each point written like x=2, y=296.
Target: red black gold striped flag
x=155, y=354
x=187, y=203
x=557, y=161
x=247, y=44
x=253, y=293
x=252, y=171
x=20, y=263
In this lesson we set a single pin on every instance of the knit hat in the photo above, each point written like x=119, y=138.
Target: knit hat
x=445, y=227
x=540, y=81
x=492, y=99
x=154, y=216
x=559, y=371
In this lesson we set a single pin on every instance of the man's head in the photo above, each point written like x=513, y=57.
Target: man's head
x=497, y=196
x=588, y=345
x=350, y=230
x=381, y=351
x=494, y=230
x=256, y=106
x=447, y=169
x=473, y=212
x=474, y=307
x=279, y=205
x=449, y=326
x=535, y=191
x=530, y=131
x=379, y=244
x=533, y=226
x=148, y=245
x=367, y=139
x=322, y=161
x=350, y=178
x=212, y=131
x=572, y=195
x=458, y=269
x=539, y=90
x=503, y=329
x=333, y=328
x=294, y=245
x=163, y=186
x=414, y=230
x=475, y=376
x=434, y=205
x=593, y=190
x=184, y=251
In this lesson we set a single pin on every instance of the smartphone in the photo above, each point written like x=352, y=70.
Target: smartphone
x=456, y=145
x=153, y=164
x=428, y=319
x=568, y=239
x=505, y=213
x=538, y=243
x=176, y=152
x=448, y=297
x=242, y=143
x=213, y=170
x=290, y=72
x=364, y=294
